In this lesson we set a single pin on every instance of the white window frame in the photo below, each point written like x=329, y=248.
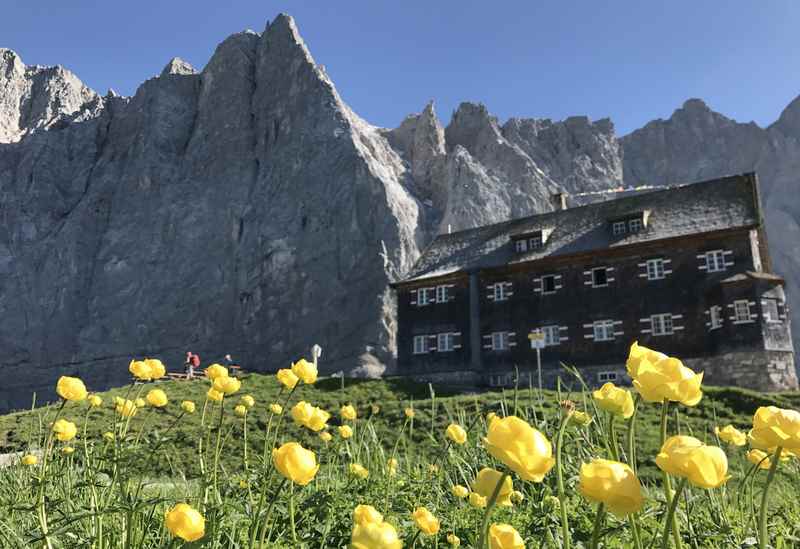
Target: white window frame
x=603, y=330
x=605, y=269
x=635, y=225
x=767, y=313
x=741, y=311
x=444, y=342
x=605, y=376
x=420, y=344
x=618, y=228
x=715, y=317
x=715, y=261
x=441, y=294
x=655, y=269
x=661, y=324
x=521, y=245
x=552, y=335
x=542, y=283
x=535, y=242
x=423, y=297
x=500, y=341
x=499, y=290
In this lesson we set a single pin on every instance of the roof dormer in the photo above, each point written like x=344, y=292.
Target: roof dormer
x=531, y=241
x=631, y=223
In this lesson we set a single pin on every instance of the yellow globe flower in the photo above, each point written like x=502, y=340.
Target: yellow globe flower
x=276, y=409
x=109, y=436
x=517, y=497
x=139, y=403
x=295, y=463
x=325, y=436
x=365, y=514
x=305, y=370
x=504, y=536
x=64, y=430
x=310, y=416
x=126, y=408
x=185, y=522
x=216, y=370
x=731, y=435
x=456, y=433
x=409, y=412
x=140, y=369
x=703, y=466
x=773, y=427
x=614, y=399
x=227, y=385
x=486, y=483
x=287, y=378
x=426, y=522
x=519, y=446
x=477, y=500
x=580, y=418
x=760, y=458
x=95, y=401
x=372, y=535
x=67, y=450
x=359, y=470
x=157, y=369
x=345, y=431
x=240, y=410
x=453, y=540
x=658, y=379
x=215, y=395
x=71, y=388
x=188, y=406
x=459, y=491
x=612, y=483
x=29, y=460
x=157, y=398
x=348, y=412
x=248, y=401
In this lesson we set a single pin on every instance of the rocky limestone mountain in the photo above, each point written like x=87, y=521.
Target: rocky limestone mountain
x=246, y=209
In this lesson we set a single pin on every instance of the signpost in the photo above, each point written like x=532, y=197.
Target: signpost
x=537, y=342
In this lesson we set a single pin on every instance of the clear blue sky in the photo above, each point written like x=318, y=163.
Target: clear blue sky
x=629, y=60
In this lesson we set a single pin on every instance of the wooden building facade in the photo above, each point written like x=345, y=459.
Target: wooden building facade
x=684, y=270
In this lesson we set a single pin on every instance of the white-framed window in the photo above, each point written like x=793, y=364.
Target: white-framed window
x=499, y=341
x=549, y=284
x=618, y=228
x=599, y=277
x=441, y=294
x=535, y=242
x=715, y=261
x=500, y=291
x=715, y=312
x=655, y=269
x=769, y=308
x=425, y=296
x=661, y=324
x=603, y=330
x=521, y=245
x=741, y=311
x=635, y=225
x=420, y=344
x=603, y=377
x=552, y=335
x=444, y=342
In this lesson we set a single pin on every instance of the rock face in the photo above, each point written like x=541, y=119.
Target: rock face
x=245, y=209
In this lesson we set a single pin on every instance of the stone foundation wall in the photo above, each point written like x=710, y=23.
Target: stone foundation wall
x=760, y=371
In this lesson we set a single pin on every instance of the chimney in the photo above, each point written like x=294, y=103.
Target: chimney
x=559, y=200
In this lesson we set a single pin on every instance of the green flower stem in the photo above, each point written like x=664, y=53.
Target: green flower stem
x=42, y=515
x=762, y=516
x=598, y=525
x=632, y=434
x=612, y=435
x=489, y=506
x=637, y=533
x=671, y=516
x=667, y=483
x=562, y=496
x=267, y=514
x=291, y=513
x=218, y=447
x=244, y=442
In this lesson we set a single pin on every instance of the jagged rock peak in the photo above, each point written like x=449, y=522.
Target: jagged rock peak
x=695, y=104
x=789, y=121
x=178, y=66
x=10, y=62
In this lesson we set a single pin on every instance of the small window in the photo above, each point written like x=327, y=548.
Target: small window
x=655, y=269
x=618, y=228
x=552, y=335
x=521, y=245
x=716, y=316
x=635, y=225
x=549, y=284
x=603, y=330
x=424, y=296
x=604, y=377
x=500, y=291
x=535, y=242
x=741, y=309
x=661, y=324
x=599, y=277
x=499, y=341
x=769, y=308
x=444, y=343
x=420, y=344
x=441, y=294
x=715, y=261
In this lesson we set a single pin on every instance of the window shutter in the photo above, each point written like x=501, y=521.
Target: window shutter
x=413, y=297
x=456, y=340
x=432, y=340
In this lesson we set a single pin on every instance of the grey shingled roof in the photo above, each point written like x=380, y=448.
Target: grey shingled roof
x=680, y=210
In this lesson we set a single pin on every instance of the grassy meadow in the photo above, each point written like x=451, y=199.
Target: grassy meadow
x=114, y=491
